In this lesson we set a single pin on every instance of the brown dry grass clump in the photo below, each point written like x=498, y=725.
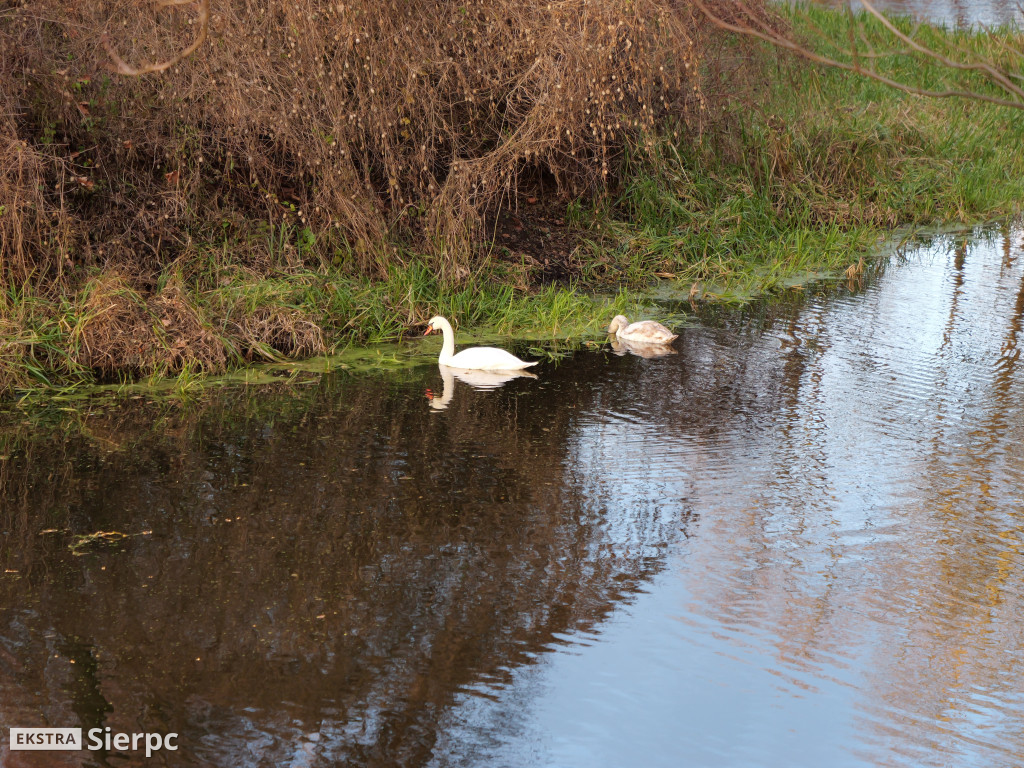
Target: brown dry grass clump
x=118, y=331
x=267, y=331
x=186, y=340
x=12, y=355
x=360, y=122
x=114, y=330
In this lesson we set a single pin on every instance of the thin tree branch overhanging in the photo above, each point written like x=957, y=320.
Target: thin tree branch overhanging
x=862, y=58
x=123, y=68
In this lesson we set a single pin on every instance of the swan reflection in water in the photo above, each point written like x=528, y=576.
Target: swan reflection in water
x=478, y=379
x=621, y=347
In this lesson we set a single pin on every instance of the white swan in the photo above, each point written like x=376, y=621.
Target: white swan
x=474, y=358
x=644, y=331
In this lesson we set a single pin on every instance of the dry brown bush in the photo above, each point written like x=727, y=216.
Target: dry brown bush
x=272, y=332
x=12, y=355
x=119, y=331
x=114, y=331
x=364, y=121
x=185, y=340
x=31, y=222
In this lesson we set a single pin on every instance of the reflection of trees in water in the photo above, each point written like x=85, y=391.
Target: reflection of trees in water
x=871, y=523
x=963, y=637
x=325, y=570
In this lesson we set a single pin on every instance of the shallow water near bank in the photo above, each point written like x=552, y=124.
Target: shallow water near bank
x=794, y=541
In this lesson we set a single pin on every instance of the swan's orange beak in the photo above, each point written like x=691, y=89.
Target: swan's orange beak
x=429, y=329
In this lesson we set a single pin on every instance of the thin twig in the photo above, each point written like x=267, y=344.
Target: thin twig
x=779, y=40
x=123, y=68
x=979, y=66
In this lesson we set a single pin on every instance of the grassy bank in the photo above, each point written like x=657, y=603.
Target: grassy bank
x=828, y=164
x=802, y=172
x=192, y=325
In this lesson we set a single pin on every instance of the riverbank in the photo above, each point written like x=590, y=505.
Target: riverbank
x=803, y=180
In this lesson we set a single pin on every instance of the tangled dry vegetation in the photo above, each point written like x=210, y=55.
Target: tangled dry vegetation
x=360, y=130
x=363, y=118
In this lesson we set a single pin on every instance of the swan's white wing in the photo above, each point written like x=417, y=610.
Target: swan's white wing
x=486, y=358
x=647, y=331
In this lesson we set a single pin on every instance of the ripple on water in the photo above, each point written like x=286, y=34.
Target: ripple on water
x=862, y=529
x=796, y=542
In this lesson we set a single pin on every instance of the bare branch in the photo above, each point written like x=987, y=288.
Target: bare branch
x=123, y=68
x=981, y=66
x=746, y=22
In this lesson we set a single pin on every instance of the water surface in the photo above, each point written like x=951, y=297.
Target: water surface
x=796, y=541
x=951, y=13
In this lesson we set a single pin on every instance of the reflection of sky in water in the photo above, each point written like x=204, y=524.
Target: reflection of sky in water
x=847, y=590
x=629, y=466
x=961, y=13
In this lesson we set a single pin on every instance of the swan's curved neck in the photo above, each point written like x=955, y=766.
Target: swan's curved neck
x=448, y=348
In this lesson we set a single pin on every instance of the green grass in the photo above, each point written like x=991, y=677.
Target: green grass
x=802, y=186
x=47, y=351
x=830, y=162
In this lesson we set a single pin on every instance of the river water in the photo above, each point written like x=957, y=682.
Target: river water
x=951, y=13
x=796, y=541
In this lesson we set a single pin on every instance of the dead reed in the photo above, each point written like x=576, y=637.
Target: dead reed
x=356, y=123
